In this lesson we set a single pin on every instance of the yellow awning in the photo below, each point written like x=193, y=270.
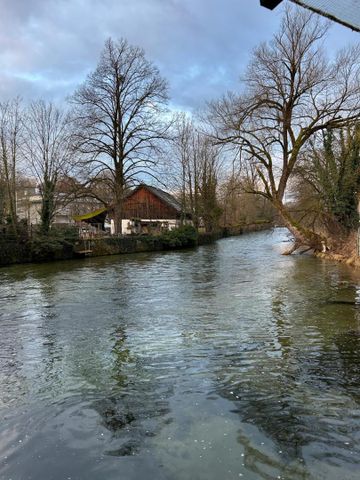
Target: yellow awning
x=88, y=216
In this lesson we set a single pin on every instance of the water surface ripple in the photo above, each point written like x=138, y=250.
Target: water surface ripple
x=223, y=362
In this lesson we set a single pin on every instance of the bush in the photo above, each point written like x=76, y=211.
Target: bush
x=57, y=244
x=68, y=233
x=181, y=237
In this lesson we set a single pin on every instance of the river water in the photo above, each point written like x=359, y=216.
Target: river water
x=230, y=361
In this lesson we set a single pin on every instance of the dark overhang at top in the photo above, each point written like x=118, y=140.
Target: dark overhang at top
x=271, y=4
x=346, y=12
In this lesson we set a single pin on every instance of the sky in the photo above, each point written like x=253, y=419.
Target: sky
x=47, y=47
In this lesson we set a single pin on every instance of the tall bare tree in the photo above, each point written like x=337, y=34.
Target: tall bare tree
x=10, y=142
x=291, y=92
x=180, y=171
x=48, y=150
x=196, y=171
x=119, y=116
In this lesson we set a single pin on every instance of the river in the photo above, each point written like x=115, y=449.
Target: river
x=225, y=362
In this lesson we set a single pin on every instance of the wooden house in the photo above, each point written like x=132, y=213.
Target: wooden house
x=148, y=209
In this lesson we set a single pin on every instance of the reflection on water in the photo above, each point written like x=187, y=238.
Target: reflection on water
x=223, y=362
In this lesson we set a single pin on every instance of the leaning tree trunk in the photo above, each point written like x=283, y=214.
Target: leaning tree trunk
x=302, y=236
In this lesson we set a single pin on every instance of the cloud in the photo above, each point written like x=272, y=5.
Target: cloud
x=48, y=46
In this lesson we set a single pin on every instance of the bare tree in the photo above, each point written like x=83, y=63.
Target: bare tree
x=48, y=150
x=291, y=92
x=207, y=155
x=240, y=207
x=118, y=112
x=180, y=153
x=196, y=171
x=10, y=141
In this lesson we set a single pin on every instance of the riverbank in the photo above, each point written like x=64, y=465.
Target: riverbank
x=122, y=245
x=337, y=257
x=352, y=260
x=49, y=251
x=347, y=253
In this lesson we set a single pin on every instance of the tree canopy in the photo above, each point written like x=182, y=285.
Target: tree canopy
x=119, y=116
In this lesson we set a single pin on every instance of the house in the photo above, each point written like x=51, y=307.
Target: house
x=346, y=12
x=29, y=203
x=148, y=209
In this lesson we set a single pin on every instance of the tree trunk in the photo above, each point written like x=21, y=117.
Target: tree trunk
x=10, y=190
x=303, y=236
x=48, y=206
x=12, y=207
x=118, y=213
x=119, y=200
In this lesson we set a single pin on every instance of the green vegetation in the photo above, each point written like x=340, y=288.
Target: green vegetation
x=337, y=175
x=327, y=186
x=57, y=244
x=185, y=236
x=39, y=247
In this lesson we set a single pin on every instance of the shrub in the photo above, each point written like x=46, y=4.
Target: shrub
x=181, y=237
x=57, y=244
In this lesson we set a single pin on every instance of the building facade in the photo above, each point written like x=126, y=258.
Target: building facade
x=29, y=202
x=148, y=209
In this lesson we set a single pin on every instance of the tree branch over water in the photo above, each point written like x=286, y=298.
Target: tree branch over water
x=292, y=91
